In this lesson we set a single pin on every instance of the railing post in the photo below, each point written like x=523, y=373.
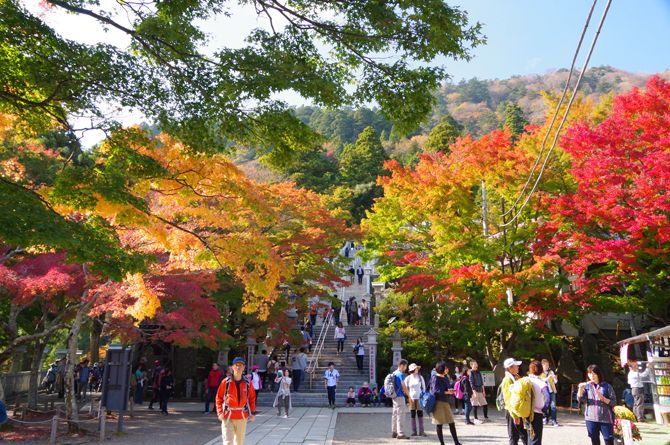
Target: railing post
x=54, y=429
x=103, y=419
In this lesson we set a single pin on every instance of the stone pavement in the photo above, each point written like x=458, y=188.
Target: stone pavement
x=313, y=426
x=188, y=426
x=356, y=428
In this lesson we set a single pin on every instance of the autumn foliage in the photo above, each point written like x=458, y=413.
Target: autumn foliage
x=612, y=232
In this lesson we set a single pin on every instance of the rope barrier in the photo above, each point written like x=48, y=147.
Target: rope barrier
x=11, y=419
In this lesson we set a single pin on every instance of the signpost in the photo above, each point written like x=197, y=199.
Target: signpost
x=115, y=384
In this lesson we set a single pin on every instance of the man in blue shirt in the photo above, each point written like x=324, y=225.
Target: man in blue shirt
x=331, y=378
x=399, y=402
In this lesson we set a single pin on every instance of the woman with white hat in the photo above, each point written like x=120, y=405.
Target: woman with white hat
x=415, y=386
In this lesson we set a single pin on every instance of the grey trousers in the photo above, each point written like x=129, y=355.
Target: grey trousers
x=638, y=403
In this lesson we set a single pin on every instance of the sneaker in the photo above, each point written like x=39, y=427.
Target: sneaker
x=285, y=416
x=394, y=435
x=414, y=434
x=554, y=423
x=546, y=421
x=402, y=436
x=423, y=433
x=469, y=422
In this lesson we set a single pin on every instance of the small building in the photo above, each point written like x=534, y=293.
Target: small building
x=657, y=345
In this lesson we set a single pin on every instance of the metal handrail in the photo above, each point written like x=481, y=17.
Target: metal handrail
x=316, y=354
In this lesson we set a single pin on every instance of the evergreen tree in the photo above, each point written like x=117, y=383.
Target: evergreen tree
x=515, y=119
x=362, y=162
x=443, y=135
x=313, y=170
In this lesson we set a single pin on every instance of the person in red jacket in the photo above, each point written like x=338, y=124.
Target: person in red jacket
x=235, y=403
x=213, y=381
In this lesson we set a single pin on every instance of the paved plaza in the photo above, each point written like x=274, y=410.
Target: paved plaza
x=322, y=426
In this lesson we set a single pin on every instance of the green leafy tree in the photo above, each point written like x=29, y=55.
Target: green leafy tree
x=515, y=119
x=363, y=161
x=208, y=98
x=443, y=135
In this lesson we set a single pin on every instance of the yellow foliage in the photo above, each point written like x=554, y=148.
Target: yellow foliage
x=147, y=302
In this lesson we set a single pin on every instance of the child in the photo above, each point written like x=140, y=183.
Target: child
x=376, y=399
x=351, y=397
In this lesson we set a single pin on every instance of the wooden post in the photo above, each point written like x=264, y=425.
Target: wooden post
x=54, y=429
x=103, y=418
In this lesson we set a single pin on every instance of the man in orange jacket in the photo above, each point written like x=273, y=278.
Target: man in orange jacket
x=235, y=403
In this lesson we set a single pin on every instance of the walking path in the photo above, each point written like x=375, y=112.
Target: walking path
x=313, y=426
x=186, y=425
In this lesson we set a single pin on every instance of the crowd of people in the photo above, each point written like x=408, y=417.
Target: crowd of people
x=441, y=397
x=87, y=378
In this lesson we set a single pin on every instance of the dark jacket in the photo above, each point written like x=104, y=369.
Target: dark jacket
x=466, y=387
x=438, y=385
x=476, y=380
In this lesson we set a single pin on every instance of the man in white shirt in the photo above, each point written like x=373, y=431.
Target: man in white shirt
x=635, y=380
x=331, y=378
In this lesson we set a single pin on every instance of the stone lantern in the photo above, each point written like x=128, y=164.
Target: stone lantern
x=396, y=347
x=251, y=349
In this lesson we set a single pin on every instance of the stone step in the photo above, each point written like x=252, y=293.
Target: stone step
x=303, y=399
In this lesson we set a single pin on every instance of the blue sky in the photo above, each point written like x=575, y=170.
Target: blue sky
x=533, y=36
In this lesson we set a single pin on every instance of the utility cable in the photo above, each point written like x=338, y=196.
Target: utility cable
x=565, y=116
x=558, y=108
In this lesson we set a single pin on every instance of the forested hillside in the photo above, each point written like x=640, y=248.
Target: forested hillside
x=473, y=106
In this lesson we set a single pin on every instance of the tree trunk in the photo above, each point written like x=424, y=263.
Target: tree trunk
x=71, y=406
x=35, y=366
x=96, y=332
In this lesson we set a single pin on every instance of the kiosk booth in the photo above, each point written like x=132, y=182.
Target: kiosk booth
x=658, y=361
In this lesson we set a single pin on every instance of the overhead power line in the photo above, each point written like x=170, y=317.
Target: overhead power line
x=558, y=108
x=565, y=116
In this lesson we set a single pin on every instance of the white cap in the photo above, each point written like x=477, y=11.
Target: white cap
x=413, y=366
x=510, y=362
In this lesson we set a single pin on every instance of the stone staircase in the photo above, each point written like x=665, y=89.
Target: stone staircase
x=314, y=394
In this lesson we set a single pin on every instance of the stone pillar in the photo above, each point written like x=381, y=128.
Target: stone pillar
x=396, y=347
x=222, y=358
x=372, y=354
x=374, y=317
x=251, y=350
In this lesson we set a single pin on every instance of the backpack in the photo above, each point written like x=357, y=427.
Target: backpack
x=521, y=398
x=389, y=386
x=500, y=399
x=227, y=381
x=458, y=392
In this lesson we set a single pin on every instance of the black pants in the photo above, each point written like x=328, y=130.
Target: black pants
x=366, y=399
x=515, y=432
x=164, y=396
x=359, y=361
x=331, y=395
x=536, y=437
x=340, y=345
x=297, y=378
x=154, y=397
x=210, y=397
